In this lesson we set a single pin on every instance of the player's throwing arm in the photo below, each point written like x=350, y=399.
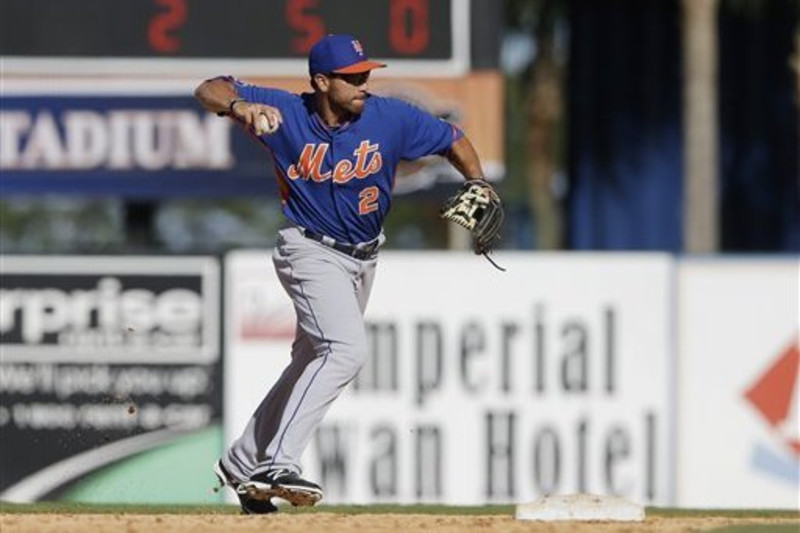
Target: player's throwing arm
x=219, y=97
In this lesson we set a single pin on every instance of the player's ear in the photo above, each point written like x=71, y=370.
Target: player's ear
x=321, y=82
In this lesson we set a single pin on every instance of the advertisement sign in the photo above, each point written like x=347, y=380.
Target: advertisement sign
x=134, y=145
x=552, y=378
x=739, y=383
x=104, y=359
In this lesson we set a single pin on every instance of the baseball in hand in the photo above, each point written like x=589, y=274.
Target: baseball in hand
x=262, y=125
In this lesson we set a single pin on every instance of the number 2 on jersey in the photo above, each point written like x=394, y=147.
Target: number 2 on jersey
x=368, y=200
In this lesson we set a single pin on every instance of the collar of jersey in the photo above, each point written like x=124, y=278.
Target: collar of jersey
x=308, y=99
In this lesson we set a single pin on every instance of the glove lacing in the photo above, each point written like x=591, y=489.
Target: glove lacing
x=498, y=267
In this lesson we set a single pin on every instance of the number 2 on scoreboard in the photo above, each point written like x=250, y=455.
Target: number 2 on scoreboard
x=368, y=200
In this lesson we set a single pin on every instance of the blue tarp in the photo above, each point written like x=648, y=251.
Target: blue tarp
x=625, y=127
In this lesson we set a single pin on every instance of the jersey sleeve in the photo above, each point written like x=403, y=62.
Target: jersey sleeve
x=262, y=95
x=424, y=134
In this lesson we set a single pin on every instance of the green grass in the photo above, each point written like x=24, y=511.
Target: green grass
x=67, y=507
x=103, y=508
x=727, y=513
x=758, y=528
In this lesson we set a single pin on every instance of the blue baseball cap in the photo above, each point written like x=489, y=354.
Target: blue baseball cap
x=341, y=54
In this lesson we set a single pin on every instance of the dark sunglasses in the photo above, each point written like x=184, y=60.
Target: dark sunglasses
x=351, y=79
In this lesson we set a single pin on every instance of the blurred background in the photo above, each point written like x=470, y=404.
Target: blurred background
x=597, y=119
x=647, y=152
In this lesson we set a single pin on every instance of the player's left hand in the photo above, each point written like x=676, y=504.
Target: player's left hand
x=477, y=207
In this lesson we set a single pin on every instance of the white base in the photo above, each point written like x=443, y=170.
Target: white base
x=581, y=507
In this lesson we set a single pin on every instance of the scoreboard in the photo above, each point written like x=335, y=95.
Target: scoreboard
x=244, y=37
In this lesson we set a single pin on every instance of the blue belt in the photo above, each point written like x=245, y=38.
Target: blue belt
x=367, y=251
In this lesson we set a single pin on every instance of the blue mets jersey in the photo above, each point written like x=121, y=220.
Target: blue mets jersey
x=339, y=181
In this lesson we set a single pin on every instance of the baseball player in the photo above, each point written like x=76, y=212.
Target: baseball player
x=336, y=152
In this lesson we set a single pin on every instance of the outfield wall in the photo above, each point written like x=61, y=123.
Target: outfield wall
x=739, y=394
x=670, y=382
x=484, y=386
x=630, y=374
x=110, y=378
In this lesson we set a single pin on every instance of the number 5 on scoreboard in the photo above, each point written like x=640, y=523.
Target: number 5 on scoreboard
x=368, y=200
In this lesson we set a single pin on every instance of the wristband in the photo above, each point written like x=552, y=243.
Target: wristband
x=233, y=103
x=229, y=112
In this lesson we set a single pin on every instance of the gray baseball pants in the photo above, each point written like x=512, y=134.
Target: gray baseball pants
x=329, y=291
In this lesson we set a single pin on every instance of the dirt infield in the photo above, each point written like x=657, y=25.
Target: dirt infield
x=350, y=523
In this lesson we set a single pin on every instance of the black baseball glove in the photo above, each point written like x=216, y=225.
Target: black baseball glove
x=476, y=207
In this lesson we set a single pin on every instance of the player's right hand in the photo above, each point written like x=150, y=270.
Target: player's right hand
x=262, y=119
